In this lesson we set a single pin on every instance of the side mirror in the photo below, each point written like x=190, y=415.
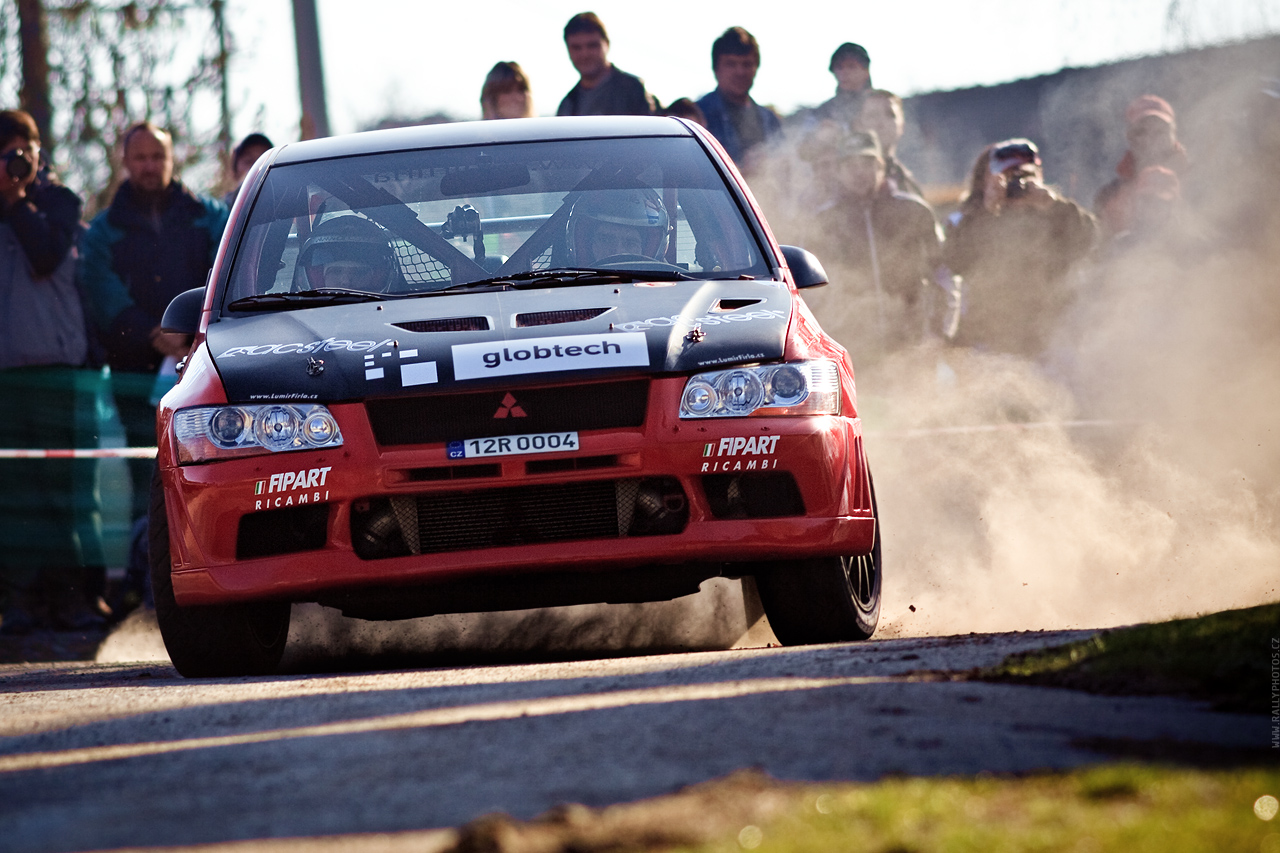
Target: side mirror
x=806, y=269
x=183, y=314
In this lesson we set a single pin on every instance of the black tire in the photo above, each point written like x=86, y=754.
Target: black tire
x=211, y=641
x=825, y=600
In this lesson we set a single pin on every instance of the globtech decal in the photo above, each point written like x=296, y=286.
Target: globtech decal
x=547, y=355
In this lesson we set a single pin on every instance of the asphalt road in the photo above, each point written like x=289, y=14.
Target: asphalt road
x=102, y=756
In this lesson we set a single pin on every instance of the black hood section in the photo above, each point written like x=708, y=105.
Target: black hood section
x=415, y=346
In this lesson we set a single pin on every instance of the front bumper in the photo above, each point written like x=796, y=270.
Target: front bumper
x=210, y=506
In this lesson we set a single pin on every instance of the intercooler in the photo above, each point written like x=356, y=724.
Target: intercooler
x=460, y=521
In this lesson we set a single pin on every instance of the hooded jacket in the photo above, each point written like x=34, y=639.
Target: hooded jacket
x=132, y=266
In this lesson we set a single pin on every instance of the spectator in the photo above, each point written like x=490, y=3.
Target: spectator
x=851, y=66
x=602, y=89
x=882, y=114
x=1151, y=130
x=42, y=346
x=506, y=93
x=1160, y=223
x=1014, y=240
x=156, y=240
x=733, y=117
x=685, y=108
x=243, y=157
x=887, y=241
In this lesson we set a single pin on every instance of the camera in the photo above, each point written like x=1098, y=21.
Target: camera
x=16, y=164
x=1017, y=186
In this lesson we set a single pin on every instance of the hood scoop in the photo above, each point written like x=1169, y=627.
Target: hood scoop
x=551, y=318
x=735, y=304
x=446, y=324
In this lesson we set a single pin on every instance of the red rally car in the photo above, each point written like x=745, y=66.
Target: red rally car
x=502, y=365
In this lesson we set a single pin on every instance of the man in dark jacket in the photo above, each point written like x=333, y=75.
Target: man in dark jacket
x=156, y=240
x=42, y=348
x=737, y=121
x=603, y=89
x=885, y=243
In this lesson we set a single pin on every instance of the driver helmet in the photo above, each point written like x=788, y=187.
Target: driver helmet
x=617, y=222
x=349, y=252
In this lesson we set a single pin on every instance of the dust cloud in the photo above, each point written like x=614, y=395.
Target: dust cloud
x=714, y=618
x=136, y=639
x=1132, y=473
x=322, y=639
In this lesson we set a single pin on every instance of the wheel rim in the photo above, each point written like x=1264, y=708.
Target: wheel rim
x=863, y=576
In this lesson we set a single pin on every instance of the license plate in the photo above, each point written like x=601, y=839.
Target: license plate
x=508, y=445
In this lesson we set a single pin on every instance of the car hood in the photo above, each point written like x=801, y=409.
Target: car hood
x=412, y=346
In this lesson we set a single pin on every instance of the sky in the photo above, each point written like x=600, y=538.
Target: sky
x=411, y=58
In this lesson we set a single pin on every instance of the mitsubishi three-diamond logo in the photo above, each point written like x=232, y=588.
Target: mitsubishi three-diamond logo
x=509, y=408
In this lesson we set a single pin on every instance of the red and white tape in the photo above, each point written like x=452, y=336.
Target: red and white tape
x=80, y=453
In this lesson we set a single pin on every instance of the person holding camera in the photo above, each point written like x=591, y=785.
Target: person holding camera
x=1014, y=241
x=43, y=345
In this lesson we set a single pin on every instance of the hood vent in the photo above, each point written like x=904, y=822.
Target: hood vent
x=551, y=318
x=735, y=304
x=447, y=324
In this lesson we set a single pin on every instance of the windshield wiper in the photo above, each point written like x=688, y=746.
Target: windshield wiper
x=572, y=276
x=303, y=299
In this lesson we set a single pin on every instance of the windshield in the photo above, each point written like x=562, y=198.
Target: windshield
x=419, y=222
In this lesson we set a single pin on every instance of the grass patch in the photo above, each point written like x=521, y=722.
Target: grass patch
x=1121, y=808
x=1224, y=658
x=1113, y=808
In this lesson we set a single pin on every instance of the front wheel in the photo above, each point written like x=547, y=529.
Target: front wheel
x=825, y=600
x=211, y=641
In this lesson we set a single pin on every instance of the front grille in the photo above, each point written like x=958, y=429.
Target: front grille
x=528, y=515
x=455, y=417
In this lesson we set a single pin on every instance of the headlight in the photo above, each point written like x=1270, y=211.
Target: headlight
x=803, y=388
x=223, y=432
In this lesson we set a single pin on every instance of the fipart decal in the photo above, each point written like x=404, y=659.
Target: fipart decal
x=740, y=453
x=286, y=484
x=281, y=501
